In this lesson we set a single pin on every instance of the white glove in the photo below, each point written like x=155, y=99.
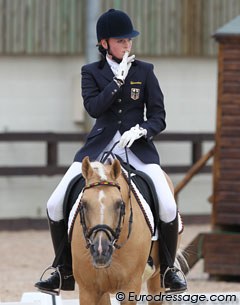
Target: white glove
x=131, y=135
x=124, y=67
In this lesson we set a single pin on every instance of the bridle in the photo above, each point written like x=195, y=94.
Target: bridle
x=112, y=234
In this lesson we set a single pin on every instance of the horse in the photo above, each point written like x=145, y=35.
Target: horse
x=111, y=241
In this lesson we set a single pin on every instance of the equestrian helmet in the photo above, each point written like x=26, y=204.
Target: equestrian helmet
x=115, y=24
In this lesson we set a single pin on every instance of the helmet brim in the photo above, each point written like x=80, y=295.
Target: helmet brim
x=130, y=35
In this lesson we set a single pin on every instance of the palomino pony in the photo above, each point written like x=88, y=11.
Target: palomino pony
x=110, y=248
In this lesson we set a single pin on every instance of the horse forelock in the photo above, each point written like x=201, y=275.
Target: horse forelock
x=99, y=169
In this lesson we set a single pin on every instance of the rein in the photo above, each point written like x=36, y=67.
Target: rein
x=113, y=235
x=104, y=158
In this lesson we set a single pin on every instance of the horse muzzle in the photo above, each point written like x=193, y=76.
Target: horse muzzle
x=101, y=250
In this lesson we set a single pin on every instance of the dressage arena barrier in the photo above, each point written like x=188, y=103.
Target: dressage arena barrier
x=221, y=248
x=38, y=298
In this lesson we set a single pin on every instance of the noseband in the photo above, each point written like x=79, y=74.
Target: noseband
x=113, y=235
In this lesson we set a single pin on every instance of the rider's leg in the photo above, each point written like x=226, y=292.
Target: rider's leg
x=168, y=229
x=62, y=251
x=59, y=235
x=55, y=202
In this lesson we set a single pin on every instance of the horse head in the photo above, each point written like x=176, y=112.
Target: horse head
x=101, y=210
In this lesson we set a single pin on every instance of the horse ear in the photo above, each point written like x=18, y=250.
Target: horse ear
x=115, y=169
x=87, y=170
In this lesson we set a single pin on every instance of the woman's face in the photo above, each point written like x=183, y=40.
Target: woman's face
x=118, y=46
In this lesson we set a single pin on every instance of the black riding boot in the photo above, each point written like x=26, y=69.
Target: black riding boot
x=62, y=278
x=168, y=238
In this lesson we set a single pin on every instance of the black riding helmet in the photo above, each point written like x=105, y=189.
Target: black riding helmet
x=114, y=24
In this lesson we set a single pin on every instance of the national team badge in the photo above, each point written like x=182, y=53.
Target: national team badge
x=135, y=93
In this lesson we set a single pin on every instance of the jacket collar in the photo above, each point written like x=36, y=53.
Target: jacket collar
x=107, y=72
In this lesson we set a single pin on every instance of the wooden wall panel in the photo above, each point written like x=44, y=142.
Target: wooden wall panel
x=167, y=27
x=222, y=254
x=226, y=198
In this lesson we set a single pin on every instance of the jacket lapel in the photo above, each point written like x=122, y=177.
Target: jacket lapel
x=131, y=72
x=107, y=72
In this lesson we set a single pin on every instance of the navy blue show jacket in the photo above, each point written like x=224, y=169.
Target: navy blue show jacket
x=138, y=101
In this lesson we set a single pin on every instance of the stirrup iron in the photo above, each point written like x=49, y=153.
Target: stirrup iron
x=168, y=290
x=52, y=292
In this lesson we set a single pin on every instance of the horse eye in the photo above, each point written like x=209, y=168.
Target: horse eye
x=119, y=204
x=84, y=205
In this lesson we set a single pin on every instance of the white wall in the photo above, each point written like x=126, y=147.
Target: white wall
x=38, y=94
x=189, y=86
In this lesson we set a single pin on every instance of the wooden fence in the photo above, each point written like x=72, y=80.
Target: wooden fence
x=53, y=140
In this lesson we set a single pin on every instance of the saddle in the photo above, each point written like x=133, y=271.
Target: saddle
x=142, y=181
x=73, y=190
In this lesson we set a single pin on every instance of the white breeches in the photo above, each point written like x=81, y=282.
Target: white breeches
x=167, y=204
x=55, y=202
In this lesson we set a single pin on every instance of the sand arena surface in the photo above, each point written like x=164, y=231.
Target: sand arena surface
x=25, y=254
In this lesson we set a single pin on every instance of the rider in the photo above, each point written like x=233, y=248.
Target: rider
x=124, y=96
